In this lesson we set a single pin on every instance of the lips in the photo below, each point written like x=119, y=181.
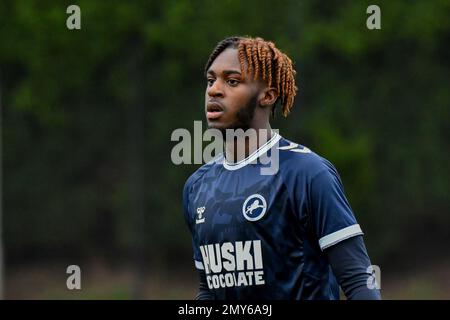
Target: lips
x=214, y=110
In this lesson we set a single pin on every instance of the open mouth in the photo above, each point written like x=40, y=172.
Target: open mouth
x=213, y=110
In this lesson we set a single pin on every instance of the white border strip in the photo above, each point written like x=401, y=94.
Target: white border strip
x=340, y=235
x=199, y=265
x=291, y=145
x=263, y=149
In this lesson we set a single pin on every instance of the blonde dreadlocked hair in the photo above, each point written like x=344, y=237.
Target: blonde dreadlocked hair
x=266, y=61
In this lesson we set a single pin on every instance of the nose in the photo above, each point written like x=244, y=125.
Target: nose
x=215, y=90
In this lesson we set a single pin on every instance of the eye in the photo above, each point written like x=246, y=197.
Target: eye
x=233, y=82
x=210, y=81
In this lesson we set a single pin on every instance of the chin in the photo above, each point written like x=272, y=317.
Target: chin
x=217, y=125
x=224, y=125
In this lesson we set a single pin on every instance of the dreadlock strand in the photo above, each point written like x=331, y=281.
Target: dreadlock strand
x=269, y=67
x=283, y=79
x=241, y=54
x=278, y=72
x=248, y=50
x=262, y=58
x=255, y=60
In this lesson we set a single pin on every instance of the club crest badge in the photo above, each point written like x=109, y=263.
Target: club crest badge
x=254, y=207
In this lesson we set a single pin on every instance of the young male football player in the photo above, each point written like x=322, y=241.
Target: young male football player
x=290, y=234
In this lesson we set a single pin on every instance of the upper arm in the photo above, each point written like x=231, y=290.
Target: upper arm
x=331, y=215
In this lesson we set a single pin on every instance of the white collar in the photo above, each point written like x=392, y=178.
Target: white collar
x=255, y=155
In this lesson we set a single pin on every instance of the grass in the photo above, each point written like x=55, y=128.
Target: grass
x=44, y=281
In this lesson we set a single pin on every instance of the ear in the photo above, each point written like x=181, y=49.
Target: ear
x=268, y=97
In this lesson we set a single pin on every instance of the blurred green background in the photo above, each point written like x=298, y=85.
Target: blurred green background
x=87, y=117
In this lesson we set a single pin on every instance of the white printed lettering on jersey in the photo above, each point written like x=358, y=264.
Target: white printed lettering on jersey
x=293, y=147
x=302, y=150
x=200, y=218
x=233, y=264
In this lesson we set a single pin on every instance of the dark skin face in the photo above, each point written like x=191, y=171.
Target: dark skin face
x=233, y=101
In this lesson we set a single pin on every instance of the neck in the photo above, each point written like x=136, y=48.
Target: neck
x=239, y=145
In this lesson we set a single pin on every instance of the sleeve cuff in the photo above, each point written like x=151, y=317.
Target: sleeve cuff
x=338, y=236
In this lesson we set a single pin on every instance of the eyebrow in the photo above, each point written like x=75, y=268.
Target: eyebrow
x=225, y=72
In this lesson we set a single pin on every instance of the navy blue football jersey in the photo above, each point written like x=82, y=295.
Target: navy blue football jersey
x=262, y=236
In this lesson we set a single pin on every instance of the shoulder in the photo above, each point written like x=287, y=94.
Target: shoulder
x=298, y=159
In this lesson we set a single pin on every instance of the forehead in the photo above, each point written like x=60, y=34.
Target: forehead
x=226, y=60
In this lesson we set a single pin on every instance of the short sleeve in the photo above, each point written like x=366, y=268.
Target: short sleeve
x=189, y=221
x=332, y=218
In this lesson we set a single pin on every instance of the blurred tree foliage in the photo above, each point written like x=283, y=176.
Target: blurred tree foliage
x=375, y=103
